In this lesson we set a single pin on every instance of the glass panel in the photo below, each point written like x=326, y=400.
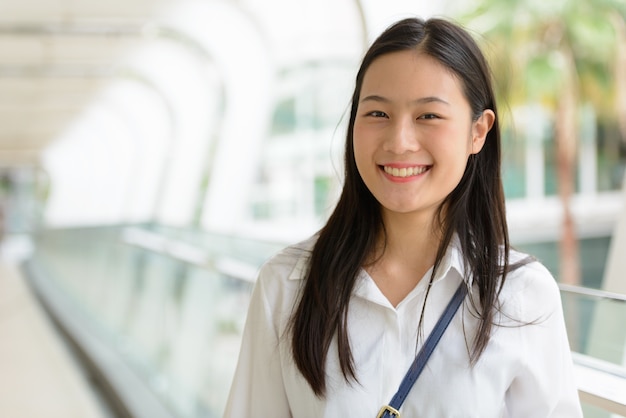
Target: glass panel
x=593, y=255
x=595, y=326
x=513, y=165
x=177, y=326
x=592, y=411
x=550, y=169
x=611, y=157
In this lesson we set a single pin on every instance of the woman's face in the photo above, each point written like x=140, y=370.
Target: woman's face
x=413, y=132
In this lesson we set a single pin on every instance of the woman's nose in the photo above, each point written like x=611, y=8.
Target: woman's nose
x=402, y=138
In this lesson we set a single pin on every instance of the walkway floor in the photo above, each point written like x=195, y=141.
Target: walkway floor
x=38, y=375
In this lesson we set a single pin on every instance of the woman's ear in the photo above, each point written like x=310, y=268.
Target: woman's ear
x=480, y=128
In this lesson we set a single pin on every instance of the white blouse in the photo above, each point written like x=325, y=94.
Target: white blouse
x=525, y=371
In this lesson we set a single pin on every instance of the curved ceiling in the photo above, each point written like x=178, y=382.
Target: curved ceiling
x=53, y=57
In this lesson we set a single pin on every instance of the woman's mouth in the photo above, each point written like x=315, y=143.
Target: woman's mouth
x=405, y=171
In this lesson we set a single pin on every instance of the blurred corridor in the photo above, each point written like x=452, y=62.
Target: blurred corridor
x=154, y=153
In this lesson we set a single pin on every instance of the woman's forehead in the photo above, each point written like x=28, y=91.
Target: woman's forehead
x=410, y=75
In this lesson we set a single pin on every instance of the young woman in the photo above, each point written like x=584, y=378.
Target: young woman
x=335, y=322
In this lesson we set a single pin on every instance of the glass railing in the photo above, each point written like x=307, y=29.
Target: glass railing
x=170, y=306
x=172, y=312
x=595, y=323
x=597, y=334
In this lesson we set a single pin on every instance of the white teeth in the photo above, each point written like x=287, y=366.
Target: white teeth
x=405, y=172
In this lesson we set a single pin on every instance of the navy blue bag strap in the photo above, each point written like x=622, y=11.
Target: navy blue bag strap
x=393, y=409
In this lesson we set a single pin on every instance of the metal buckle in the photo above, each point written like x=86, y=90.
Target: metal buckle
x=393, y=412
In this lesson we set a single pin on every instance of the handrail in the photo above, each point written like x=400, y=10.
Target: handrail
x=600, y=365
x=596, y=293
x=188, y=253
x=601, y=383
x=173, y=248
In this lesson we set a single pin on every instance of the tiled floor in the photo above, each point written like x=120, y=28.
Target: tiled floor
x=38, y=375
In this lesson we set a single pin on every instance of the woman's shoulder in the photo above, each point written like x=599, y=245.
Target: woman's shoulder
x=288, y=264
x=526, y=271
x=529, y=285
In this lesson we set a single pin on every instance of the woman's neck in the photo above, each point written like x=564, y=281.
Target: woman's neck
x=409, y=236
x=405, y=253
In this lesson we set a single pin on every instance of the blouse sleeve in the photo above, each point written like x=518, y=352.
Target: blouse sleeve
x=544, y=385
x=257, y=389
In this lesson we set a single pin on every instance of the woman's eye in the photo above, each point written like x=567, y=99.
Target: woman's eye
x=429, y=116
x=377, y=114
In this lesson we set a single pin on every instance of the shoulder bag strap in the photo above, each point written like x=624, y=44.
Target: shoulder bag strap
x=393, y=409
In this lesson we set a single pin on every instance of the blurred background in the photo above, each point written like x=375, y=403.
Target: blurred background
x=154, y=153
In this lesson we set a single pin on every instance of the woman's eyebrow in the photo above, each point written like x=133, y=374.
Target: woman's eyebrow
x=381, y=99
x=375, y=98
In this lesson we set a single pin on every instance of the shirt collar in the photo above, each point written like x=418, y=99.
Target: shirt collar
x=452, y=259
x=299, y=269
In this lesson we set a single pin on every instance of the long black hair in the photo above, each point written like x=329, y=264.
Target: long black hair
x=474, y=211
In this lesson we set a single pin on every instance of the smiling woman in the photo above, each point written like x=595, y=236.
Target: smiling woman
x=335, y=322
x=414, y=132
